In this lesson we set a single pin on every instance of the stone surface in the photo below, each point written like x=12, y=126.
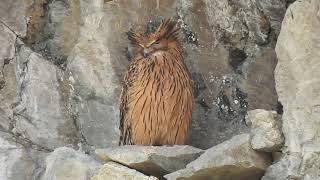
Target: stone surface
x=114, y=171
x=8, y=87
x=304, y=165
x=261, y=75
x=233, y=159
x=155, y=160
x=39, y=115
x=95, y=84
x=265, y=130
x=286, y=168
x=223, y=55
x=310, y=163
x=67, y=164
x=8, y=95
x=14, y=15
x=15, y=162
x=95, y=93
x=53, y=32
x=65, y=90
x=227, y=44
x=297, y=78
x=297, y=73
x=7, y=50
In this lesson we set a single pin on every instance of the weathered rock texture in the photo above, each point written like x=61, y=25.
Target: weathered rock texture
x=153, y=160
x=39, y=115
x=297, y=83
x=68, y=164
x=62, y=63
x=227, y=43
x=13, y=14
x=8, y=88
x=15, y=162
x=114, y=171
x=229, y=49
x=233, y=159
x=265, y=130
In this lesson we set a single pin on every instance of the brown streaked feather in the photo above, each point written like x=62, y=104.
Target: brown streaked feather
x=133, y=36
x=168, y=29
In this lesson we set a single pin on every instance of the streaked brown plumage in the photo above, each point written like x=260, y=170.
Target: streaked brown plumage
x=156, y=99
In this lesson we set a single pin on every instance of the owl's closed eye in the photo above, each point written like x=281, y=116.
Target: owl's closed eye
x=145, y=45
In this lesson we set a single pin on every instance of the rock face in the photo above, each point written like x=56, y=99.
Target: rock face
x=227, y=45
x=67, y=164
x=38, y=114
x=8, y=87
x=62, y=63
x=8, y=38
x=114, y=171
x=16, y=163
x=297, y=82
x=233, y=159
x=96, y=86
x=13, y=14
x=266, y=134
x=223, y=46
x=155, y=160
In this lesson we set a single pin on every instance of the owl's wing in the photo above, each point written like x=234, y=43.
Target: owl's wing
x=125, y=128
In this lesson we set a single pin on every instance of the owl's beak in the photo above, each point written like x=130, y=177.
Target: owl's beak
x=146, y=52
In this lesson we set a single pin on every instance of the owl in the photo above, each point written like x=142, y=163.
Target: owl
x=156, y=99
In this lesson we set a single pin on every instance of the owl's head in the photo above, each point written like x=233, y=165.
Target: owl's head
x=146, y=45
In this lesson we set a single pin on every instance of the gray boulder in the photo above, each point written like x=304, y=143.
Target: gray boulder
x=14, y=15
x=8, y=82
x=67, y=164
x=297, y=82
x=233, y=159
x=95, y=84
x=265, y=130
x=154, y=160
x=38, y=114
x=114, y=171
x=16, y=163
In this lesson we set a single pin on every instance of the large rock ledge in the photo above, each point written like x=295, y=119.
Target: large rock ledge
x=114, y=171
x=155, y=160
x=232, y=159
x=65, y=163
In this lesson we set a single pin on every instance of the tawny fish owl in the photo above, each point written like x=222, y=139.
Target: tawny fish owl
x=156, y=99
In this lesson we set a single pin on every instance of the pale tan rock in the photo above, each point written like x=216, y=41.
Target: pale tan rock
x=38, y=114
x=15, y=161
x=114, y=171
x=298, y=85
x=232, y=159
x=155, y=160
x=67, y=164
x=14, y=15
x=265, y=130
x=8, y=82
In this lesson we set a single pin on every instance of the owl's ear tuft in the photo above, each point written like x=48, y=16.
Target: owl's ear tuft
x=133, y=36
x=168, y=29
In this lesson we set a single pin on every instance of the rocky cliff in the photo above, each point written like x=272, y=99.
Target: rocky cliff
x=255, y=67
